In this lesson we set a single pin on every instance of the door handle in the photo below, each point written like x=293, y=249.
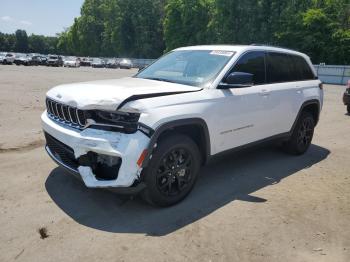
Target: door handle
x=264, y=92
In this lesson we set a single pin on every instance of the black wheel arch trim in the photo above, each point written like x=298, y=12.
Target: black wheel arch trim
x=305, y=104
x=178, y=123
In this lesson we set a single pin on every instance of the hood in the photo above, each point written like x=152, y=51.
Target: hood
x=114, y=94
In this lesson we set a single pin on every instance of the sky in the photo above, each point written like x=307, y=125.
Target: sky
x=42, y=17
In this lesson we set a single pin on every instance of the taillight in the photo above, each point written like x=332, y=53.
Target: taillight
x=348, y=83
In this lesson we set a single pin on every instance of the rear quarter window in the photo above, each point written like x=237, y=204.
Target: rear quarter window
x=283, y=67
x=302, y=69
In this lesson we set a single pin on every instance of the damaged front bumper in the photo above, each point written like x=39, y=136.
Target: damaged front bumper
x=90, y=153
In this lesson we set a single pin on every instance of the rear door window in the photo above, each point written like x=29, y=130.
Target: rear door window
x=253, y=63
x=280, y=68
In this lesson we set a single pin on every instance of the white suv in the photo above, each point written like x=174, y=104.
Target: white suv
x=152, y=132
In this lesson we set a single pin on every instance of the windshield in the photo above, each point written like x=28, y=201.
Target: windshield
x=189, y=67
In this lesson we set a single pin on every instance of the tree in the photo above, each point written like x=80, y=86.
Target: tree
x=21, y=41
x=186, y=22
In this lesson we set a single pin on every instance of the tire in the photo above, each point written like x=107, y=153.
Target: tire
x=348, y=108
x=172, y=171
x=302, y=135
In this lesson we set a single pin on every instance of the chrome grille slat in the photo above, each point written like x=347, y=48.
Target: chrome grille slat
x=59, y=111
x=79, y=119
x=50, y=107
x=65, y=114
x=47, y=106
x=72, y=114
x=54, y=105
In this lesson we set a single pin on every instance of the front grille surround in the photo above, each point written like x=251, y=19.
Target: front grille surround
x=69, y=115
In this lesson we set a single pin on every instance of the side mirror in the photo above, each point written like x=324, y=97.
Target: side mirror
x=237, y=79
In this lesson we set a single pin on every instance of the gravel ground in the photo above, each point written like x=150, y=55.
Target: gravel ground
x=257, y=205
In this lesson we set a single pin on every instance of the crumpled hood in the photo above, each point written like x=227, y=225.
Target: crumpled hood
x=112, y=94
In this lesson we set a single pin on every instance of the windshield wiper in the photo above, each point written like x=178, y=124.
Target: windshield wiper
x=160, y=79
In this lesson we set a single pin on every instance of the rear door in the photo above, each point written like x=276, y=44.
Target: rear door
x=283, y=94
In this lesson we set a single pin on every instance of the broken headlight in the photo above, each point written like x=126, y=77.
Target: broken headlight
x=117, y=121
x=106, y=117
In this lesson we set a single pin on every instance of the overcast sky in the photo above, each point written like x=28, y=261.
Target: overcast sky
x=44, y=17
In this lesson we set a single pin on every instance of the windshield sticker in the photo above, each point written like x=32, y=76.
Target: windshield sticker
x=223, y=53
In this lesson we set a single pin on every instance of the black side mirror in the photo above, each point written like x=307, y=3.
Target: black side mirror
x=238, y=79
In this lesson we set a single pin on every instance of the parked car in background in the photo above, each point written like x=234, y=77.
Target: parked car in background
x=2, y=56
x=54, y=60
x=43, y=60
x=112, y=63
x=71, y=61
x=20, y=59
x=86, y=61
x=8, y=59
x=35, y=60
x=98, y=63
x=346, y=98
x=125, y=63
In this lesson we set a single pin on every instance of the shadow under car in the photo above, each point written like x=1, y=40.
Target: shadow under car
x=228, y=178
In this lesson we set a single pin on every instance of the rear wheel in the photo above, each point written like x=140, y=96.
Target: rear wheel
x=348, y=109
x=302, y=135
x=172, y=171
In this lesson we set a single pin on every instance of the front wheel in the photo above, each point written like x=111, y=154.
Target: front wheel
x=172, y=171
x=348, y=109
x=302, y=135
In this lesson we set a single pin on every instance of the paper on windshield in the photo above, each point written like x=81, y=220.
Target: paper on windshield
x=223, y=53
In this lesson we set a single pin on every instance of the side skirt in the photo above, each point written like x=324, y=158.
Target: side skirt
x=269, y=140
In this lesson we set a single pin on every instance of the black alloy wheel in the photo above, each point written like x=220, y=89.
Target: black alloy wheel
x=172, y=171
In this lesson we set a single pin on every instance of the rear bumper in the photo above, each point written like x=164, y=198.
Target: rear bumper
x=346, y=98
x=127, y=147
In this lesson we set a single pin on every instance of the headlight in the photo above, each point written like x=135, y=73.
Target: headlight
x=120, y=121
x=105, y=117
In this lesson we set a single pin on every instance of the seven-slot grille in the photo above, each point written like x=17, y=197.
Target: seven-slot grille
x=65, y=114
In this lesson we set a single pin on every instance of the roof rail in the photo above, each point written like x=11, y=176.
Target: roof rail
x=268, y=45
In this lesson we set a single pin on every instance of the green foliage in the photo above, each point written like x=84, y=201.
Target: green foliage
x=21, y=41
x=148, y=28
x=186, y=22
x=116, y=28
